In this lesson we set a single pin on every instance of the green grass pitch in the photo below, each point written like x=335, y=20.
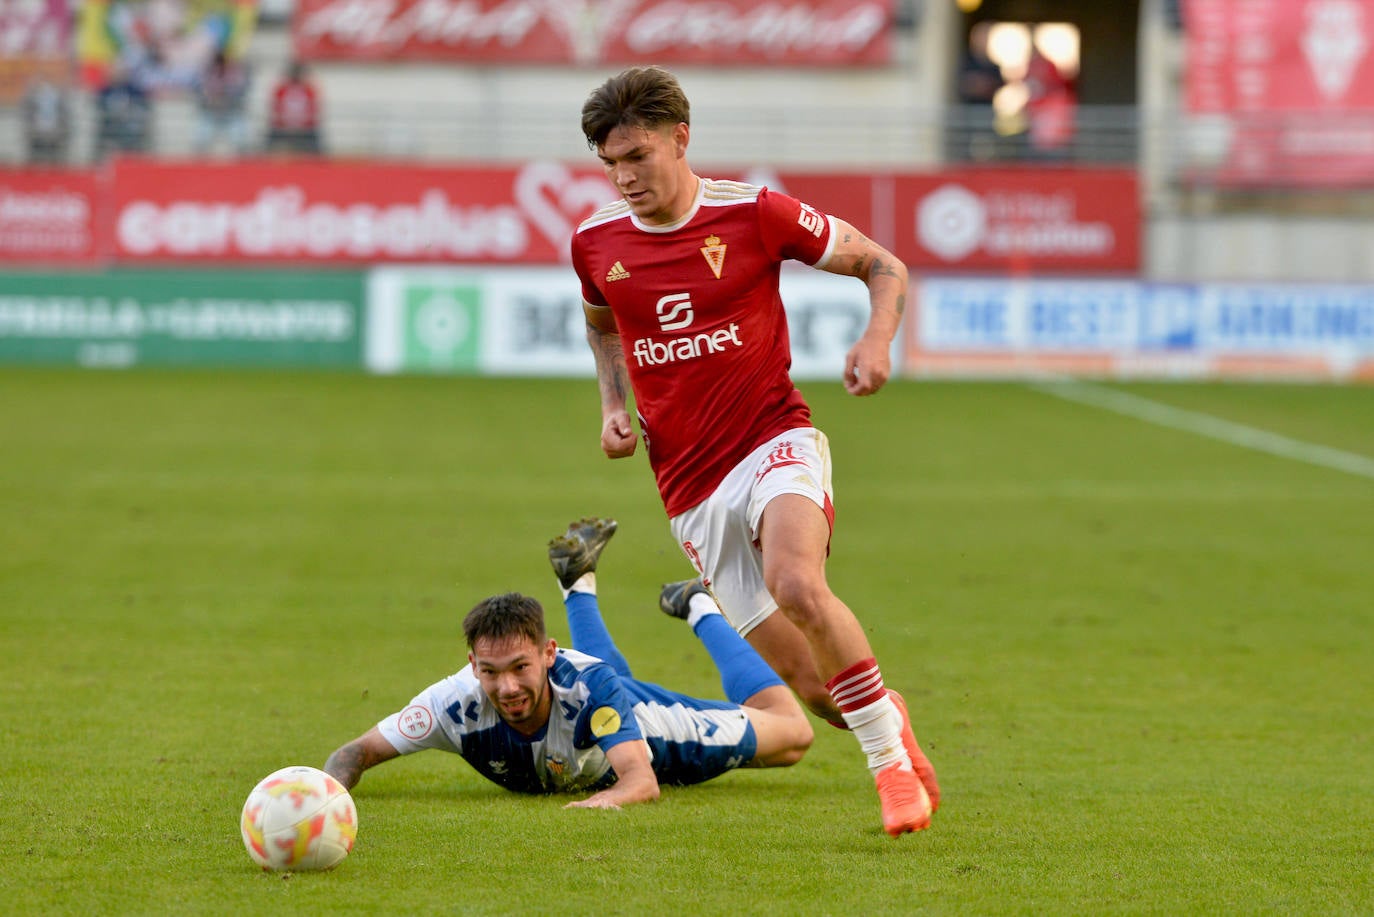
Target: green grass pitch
x=1142, y=659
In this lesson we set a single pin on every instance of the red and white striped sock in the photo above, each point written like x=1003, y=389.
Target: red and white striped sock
x=872, y=717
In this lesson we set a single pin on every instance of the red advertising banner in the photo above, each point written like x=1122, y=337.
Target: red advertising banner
x=1291, y=83
x=989, y=220
x=806, y=33
x=1050, y=220
x=272, y=211
x=49, y=217
x=1044, y=220
x=815, y=34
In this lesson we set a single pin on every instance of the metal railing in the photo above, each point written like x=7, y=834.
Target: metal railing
x=1175, y=154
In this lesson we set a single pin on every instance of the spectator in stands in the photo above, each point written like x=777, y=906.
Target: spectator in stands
x=47, y=121
x=1051, y=108
x=221, y=96
x=294, y=119
x=980, y=79
x=124, y=113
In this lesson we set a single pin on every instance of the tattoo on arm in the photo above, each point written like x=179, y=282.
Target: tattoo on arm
x=883, y=268
x=860, y=266
x=347, y=764
x=611, y=372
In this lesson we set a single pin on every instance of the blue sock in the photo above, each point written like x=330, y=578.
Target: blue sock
x=743, y=673
x=589, y=633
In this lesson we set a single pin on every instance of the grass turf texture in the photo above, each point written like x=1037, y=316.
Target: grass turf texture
x=1141, y=659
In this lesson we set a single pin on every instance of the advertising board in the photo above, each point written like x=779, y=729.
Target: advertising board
x=172, y=318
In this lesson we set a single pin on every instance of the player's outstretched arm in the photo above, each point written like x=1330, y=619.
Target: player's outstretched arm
x=635, y=778
x=349, y=761
x=617, y=432
x=868, y=364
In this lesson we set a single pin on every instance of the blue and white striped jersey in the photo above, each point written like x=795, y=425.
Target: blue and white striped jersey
x=594, y=708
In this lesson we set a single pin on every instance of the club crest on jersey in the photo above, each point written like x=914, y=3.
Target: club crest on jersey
x=714, y=253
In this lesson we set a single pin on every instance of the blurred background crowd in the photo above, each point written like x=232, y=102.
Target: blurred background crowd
x=85, y=78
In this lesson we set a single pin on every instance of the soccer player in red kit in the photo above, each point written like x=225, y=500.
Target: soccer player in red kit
x=680, y=282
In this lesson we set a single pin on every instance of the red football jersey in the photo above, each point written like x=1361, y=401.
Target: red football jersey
x=702, y=324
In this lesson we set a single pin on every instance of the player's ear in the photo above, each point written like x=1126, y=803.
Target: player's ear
x=681, y=135
x=550, y=652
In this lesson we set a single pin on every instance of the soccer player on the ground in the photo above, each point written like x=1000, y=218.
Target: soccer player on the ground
x=680, y=282
x=538, y=719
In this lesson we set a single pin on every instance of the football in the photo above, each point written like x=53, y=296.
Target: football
x=298, y=819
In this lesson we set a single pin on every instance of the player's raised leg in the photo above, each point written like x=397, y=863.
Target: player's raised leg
x=780, y=726
x=794, y=536
x=574, y=556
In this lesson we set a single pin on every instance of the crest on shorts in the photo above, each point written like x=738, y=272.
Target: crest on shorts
x=714, y=253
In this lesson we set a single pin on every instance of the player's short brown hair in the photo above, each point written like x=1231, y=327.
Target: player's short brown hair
x=503, y=616
x=638, y=97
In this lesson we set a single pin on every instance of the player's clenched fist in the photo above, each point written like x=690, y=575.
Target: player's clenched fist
x=618, y=436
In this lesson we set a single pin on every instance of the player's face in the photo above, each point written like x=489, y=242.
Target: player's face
x=649, y=169
x=514, y=674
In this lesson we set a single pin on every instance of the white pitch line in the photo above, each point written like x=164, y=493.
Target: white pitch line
x=1216, y=428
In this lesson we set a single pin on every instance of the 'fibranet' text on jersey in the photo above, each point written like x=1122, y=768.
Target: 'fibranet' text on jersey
x=702, y=324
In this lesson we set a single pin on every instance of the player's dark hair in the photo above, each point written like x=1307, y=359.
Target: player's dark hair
x=504, y=616
x=638, y=97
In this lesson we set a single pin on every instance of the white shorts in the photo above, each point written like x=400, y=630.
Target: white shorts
x=720, y=535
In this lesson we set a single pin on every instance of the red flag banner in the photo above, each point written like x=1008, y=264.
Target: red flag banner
x=1290, y=88
x=805, y=33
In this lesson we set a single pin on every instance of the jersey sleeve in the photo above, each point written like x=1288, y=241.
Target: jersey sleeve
x=416, y=726
x=590, y=292
x=608, y=717
x=793, y=230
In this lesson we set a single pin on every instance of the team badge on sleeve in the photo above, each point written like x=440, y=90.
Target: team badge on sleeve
x=415, y=722
x=714, y=253
x=810, y=220
x=605, y=721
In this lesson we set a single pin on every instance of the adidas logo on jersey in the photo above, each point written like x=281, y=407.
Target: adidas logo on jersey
x=617, y=272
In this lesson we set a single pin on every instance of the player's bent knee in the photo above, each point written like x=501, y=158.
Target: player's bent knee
x=804, y=601
x=796, y=592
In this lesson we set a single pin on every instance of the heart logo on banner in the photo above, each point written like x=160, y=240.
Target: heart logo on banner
x=555, y=199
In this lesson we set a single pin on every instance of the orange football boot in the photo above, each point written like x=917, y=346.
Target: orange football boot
x=906, y=807
x=924, y=769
